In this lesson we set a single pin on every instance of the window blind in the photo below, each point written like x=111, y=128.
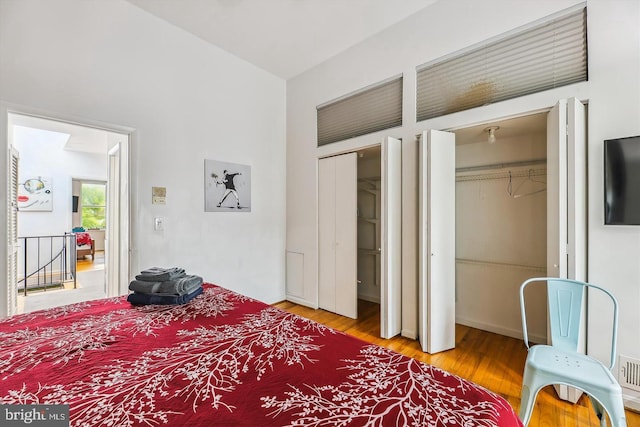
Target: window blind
x=545, y=56
x=369, y=110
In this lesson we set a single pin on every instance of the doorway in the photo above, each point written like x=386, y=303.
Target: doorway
x=369, y=232
x=68, y=155
x=359, y=232
x=501, y=222
x=565, y=230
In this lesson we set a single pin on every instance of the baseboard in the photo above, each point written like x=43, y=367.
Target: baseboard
x=496, y=329
x=374, y=299
x=301, y=301
x=408, y=333
x=631, y=399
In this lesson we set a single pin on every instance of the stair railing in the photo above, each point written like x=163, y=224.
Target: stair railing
x=47, y=261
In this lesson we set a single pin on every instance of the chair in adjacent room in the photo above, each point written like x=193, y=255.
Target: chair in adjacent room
x=560, y=362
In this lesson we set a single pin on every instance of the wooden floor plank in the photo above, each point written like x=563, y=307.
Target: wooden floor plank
x=491, y=360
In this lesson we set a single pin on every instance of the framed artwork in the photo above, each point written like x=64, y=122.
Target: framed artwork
x=34, y=194
x=227, y=187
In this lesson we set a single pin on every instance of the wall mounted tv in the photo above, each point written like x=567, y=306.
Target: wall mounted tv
x=622, y=181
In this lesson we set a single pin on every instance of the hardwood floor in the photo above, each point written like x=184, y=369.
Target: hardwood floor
x=491, y=360
x=88, y=264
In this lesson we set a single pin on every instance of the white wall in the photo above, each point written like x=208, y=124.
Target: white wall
x=614, y=111
x=110, y=63
x=613, y=93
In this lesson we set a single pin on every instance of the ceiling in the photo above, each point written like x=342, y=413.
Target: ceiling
x=283, y=37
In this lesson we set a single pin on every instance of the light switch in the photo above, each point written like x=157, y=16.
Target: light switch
x=158, y=224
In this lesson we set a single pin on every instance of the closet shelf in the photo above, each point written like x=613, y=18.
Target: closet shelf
x=523, y=173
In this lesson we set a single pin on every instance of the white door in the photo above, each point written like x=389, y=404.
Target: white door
x=566, y=200
x=566, y=190
x=337, y=235
x=12, y=234
x=436, y=296
x=391, y=233
x=117, y=235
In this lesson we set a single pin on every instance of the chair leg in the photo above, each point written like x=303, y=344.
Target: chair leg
x=616, y=413
x=600, y=413
x=527, y=402
x=614, y=407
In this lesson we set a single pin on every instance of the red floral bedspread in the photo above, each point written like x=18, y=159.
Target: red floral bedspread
x=224, y=360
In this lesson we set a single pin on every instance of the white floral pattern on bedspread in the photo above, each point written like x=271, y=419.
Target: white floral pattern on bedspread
x=224, y=359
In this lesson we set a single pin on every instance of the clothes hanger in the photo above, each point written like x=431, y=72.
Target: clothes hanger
x=514, y=193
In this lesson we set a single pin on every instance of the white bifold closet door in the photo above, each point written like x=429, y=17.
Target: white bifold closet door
x=391, y=230
x=437, y=225
x=566, y=202
x=337, y=234
x=566, y=190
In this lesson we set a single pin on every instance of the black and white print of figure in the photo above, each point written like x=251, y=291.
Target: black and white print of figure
x=230, y=187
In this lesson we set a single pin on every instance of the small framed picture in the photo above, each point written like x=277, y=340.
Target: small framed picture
x=34, y=194
x=227, y=187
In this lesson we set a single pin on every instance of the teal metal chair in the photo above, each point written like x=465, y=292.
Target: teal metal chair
x=560, y=362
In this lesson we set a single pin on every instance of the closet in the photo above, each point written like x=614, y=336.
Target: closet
x=350, y=197
x=501, y=223
x=359, y=232
x=369, y=225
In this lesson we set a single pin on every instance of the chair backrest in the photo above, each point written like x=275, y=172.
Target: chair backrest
x=565, y=299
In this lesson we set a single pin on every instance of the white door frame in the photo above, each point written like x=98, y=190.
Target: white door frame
x=124, y=253
x=117, y=236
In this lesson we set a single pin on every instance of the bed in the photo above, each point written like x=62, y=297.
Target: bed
x=85, y=245
x=224, y=359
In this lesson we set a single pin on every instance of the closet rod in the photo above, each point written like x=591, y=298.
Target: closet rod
x=539, y=269
x=501, y=165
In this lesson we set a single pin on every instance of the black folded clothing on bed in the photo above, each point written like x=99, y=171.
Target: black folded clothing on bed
x=181, y=286
x=154, y=299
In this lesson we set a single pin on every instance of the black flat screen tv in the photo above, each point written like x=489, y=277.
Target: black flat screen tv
x=622, y=181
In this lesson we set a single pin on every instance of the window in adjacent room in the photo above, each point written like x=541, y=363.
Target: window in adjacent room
x=93, y=202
